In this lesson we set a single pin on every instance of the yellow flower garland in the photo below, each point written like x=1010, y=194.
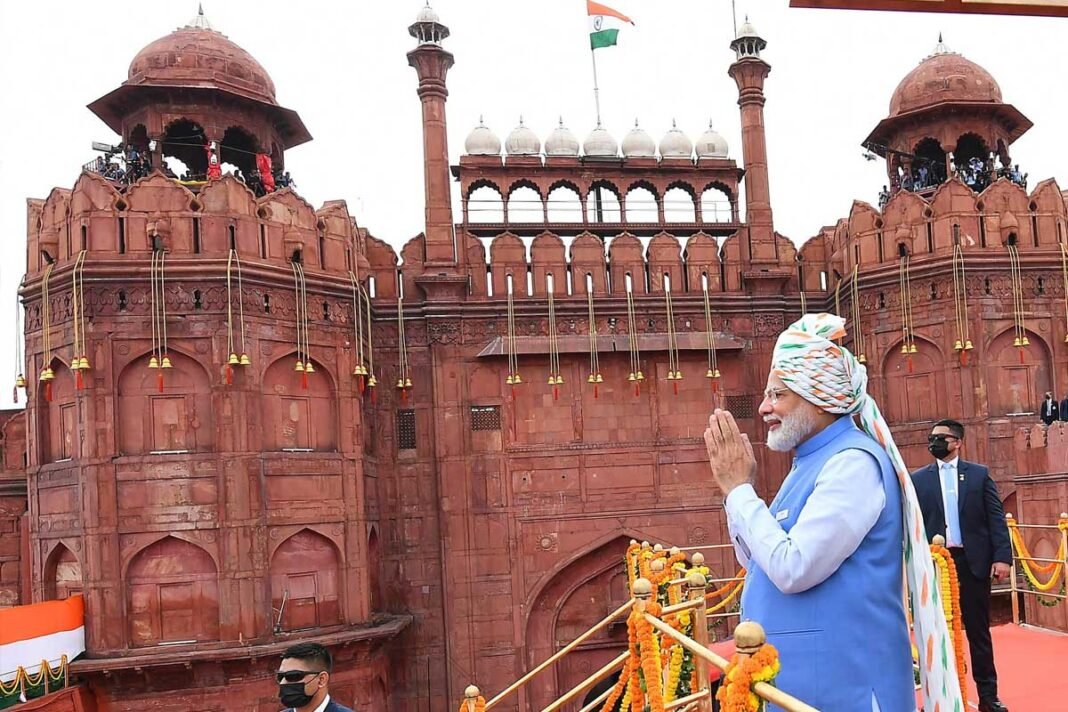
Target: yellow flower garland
x=736, y=693
x=1055, y=569
x=949, y=587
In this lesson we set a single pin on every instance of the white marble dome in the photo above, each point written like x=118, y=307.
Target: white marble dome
x=561, y=142
x=747, y=30
x=600, y=144
x=427, y=14
x=522, y=141
x=638, y=144
x=482, y=141
x=711, y=145
x=675, y=144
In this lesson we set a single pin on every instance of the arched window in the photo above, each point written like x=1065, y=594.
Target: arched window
x=641, y=205
x=524, y=206
x=176, y=418
x=679, y=206
x=564, y=206
x=715, y=206
x=238, y=149
x=485, y=205
x=172, y=591
x=183, y=149
x=299, y=411
x=602, y=204
x=304, y=575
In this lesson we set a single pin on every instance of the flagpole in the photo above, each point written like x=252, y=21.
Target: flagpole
x=596, y=91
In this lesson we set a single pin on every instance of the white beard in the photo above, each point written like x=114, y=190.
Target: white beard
x=793, y=430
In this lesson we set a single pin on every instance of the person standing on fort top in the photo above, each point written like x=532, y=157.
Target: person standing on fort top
x=824, y=559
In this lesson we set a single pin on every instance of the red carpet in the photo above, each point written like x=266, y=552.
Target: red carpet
x=1032, y=669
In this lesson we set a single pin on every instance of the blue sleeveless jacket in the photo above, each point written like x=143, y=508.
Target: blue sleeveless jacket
x=845, y=638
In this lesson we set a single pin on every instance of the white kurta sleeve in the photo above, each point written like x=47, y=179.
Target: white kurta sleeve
x=844, y=505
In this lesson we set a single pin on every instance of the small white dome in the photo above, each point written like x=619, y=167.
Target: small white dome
x=482, y=141
x=561, y=142
x=638, y=144
x=711, y=144
x=600, y=143
x=747, y=29
x=427, y=14
x=675, y=144
x=522, y=141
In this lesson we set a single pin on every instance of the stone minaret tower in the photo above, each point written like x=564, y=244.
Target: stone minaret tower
x=749, y=72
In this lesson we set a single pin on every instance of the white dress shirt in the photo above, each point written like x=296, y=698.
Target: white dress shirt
x=844, y=505
x=323, y=704
x=954, y=484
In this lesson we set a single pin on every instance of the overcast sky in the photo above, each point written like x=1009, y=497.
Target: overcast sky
x=342, y=66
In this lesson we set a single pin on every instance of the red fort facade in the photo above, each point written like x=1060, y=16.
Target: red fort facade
x=209, y=462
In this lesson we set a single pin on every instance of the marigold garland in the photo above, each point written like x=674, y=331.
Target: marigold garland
x=736, y=694
x=1032, y=568
x=949, y=587
x=480, y=705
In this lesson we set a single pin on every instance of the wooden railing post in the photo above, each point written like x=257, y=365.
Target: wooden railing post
x=695, y=584
x=1012, y=574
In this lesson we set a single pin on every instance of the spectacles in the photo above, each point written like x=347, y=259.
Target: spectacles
x=936, y=438
x=294, y=675
x=776, y=394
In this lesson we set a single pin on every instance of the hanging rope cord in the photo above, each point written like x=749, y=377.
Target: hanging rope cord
x=830, y=377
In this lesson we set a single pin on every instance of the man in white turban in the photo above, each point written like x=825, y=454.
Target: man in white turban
x=824, y=559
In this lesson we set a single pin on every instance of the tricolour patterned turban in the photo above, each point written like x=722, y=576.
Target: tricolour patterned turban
x=830, y=377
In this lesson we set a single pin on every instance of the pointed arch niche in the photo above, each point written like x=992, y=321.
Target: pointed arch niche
x=176, y=419
x=914, y=395
x=58, y=419
x=573, y=600
x=172, y=594
x=305, y=575
x=62, y=574
x=1014, y=386
x=296, y=417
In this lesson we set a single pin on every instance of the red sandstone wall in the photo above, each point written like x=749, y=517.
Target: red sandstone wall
x=14, y=564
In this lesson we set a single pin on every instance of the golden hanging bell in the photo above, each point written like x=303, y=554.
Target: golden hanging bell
x=958, y=346
x=20, y=381
x=904, y=348
x=518, y=378
x=407, y=383
x=632, y=377
x=299, y=367
x=559, y=379
x=671, y=375
x=152, y=362
x=1017, y=341
x=48, y=374
x=639, y=376
x=245, y=360
x=552, y=380
x=862, y=359
x=600, y=378
x=166, y=362
x=372, y=381
x=400, y=383
x=84, y=363
x=356, y=371
x=913, y=349
x=678, y=375
x=360, y=371
x=710, y=373
x=968, y=345
x=309, y=368
x=76, y=364
x=590, y=379
x=509, y=380
x=233, y=360
x=716, y=374
x=1025, y=341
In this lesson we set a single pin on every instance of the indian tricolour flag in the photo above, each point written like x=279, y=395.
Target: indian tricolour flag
x=604, y=24
x=40, y=632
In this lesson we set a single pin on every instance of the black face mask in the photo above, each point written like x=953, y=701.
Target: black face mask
x=939, y=447
x=292, y=694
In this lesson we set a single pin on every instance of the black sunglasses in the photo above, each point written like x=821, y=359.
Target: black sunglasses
x=936, y=438
x=294, y=675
